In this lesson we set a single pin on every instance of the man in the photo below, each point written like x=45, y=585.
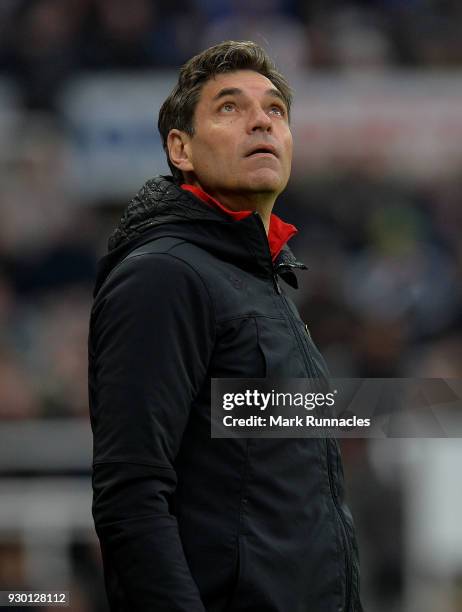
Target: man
x=191, y=290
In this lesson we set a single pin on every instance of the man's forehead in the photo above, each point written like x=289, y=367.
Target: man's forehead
x=244, y=80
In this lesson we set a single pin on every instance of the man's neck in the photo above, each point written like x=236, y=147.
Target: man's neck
x=263, y=205
x=260, y=202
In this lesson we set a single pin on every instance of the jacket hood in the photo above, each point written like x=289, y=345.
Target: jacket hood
x=162, y=208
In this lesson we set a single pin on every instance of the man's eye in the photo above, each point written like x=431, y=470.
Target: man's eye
x=278, y=110
x=228, y=107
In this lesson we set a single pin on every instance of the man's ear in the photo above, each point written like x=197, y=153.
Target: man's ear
x=179, y=150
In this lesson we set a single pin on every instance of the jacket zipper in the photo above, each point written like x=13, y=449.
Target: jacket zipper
x=340, y=517
x=278, y=290
x=310, y=368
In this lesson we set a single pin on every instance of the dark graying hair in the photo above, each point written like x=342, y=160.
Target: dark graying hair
x=177, y=112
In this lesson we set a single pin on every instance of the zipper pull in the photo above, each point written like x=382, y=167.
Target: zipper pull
x=307, y=331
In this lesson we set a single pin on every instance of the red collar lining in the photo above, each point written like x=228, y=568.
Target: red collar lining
x=279, y=231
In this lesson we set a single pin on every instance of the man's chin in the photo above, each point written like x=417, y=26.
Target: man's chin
x=265, y=181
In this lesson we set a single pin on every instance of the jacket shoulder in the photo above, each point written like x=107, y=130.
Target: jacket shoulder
x=161, y=246
x=154, y=260
x=189, y=254
x=151, y=256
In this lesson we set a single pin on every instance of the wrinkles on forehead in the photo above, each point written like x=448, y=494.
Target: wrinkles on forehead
x=236, y=91
x=238, y=83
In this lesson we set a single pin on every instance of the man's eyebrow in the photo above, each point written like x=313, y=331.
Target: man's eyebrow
x=235, y=91
x=228, y=91
x=275, y=92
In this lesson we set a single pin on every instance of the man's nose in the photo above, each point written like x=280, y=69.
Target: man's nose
x=259, y=119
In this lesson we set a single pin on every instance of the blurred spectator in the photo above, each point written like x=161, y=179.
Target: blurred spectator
x=45, y=47
x=38, y=241
x=7, y=12
x=438, y=359
x=58, y=352
x=18, y=394
x=402, y=276
x=267, y=23
x=34, y=201
x=140, y=34
x=12, y=567
x=349, y=38
x=120, y=35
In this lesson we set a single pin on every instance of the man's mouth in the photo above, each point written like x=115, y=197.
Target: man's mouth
x=263, y=150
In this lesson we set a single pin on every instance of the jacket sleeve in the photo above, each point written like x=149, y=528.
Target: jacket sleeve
x=151, y=338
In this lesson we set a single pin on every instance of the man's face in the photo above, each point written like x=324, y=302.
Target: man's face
x=242, y=141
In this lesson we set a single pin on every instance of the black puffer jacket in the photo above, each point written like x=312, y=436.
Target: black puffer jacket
x=188, y=523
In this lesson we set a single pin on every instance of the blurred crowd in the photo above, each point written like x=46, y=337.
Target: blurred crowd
x=44, y=42
x=382, y=294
